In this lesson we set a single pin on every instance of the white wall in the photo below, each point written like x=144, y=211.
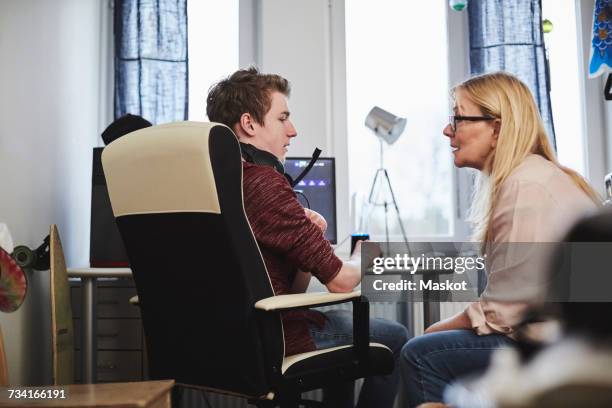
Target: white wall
x=50, y=118
x=295, y=44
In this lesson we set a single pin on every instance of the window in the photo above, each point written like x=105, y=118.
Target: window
x=396, y=58
x=213, y=48
x=566, y=99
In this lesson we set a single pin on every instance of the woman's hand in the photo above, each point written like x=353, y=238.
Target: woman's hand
x=456, y=322
x=316, y=218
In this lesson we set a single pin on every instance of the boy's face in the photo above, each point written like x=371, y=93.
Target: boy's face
x=275, y=134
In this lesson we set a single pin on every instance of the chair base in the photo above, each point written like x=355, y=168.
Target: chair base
x=176, y=396
x=287, y=403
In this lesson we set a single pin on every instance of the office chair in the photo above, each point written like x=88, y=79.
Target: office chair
x=210, y=315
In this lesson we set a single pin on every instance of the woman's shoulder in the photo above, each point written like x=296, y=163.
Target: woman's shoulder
x=535, y=169
x=540, y=174
x=538, y=181
x=540, y=188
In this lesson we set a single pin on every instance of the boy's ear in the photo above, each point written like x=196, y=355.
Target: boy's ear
x=247, y=125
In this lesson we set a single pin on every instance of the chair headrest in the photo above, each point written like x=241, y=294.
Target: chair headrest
x=164, y=168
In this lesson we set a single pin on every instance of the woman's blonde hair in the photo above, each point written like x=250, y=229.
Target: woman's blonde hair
x=521, y=133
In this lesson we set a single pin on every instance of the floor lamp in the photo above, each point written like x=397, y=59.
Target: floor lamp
x=388, y=128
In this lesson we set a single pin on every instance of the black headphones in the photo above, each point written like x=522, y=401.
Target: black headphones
x=256, y=156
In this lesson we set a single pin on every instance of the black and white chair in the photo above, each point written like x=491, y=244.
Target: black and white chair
x=210, y=316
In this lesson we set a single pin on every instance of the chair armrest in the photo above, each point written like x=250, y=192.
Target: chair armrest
x=361, y=315
x=304, y=300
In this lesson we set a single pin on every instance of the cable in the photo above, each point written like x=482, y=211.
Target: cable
x=339, y=244
x=305, y=198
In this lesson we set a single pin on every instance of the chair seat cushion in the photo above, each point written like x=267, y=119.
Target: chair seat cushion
x=322, y=366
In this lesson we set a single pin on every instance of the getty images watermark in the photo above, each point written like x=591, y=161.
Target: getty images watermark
x=458, y=272
x=423, y=270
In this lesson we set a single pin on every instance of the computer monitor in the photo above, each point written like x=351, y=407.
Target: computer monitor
x=317, y=190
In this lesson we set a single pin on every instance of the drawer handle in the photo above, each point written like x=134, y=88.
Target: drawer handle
x=108, y=335
x=108, y=302
x=107, y=366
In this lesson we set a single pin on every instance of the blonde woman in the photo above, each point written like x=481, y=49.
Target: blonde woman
x=523, y=195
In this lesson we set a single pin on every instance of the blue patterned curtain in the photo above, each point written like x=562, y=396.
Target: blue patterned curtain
x=507, y=36
x=151, y=75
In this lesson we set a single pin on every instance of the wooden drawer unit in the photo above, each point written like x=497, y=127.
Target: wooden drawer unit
x=115, y=366
x=122, y=365
x=111, y=302
x=114, y=334
x=118, y=333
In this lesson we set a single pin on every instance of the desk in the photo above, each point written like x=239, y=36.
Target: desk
x=146, y=394
x=88, y=278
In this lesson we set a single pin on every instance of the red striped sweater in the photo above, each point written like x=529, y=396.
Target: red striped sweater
x=288, y=241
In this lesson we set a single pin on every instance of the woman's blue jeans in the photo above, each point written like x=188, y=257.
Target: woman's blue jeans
x=432, y=361
x=376, y=391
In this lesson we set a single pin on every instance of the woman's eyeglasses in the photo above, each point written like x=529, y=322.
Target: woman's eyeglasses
x=453, y=119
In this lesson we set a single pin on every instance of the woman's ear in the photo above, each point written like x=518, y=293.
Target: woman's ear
x=496, y=128
x=247, y=125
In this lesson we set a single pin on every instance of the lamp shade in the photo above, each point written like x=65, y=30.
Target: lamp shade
x=385, y=125
x=13, y=284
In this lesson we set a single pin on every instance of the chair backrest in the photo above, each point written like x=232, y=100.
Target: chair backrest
x=176, y=192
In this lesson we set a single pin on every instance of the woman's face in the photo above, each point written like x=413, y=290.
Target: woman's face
x=474, y=138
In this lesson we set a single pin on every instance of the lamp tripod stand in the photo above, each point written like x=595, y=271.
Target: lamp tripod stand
x=381, y=178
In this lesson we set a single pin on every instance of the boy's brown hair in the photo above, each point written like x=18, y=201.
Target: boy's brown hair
x=245, y=91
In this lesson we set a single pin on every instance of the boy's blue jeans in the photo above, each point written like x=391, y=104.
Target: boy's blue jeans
x=377, y=391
